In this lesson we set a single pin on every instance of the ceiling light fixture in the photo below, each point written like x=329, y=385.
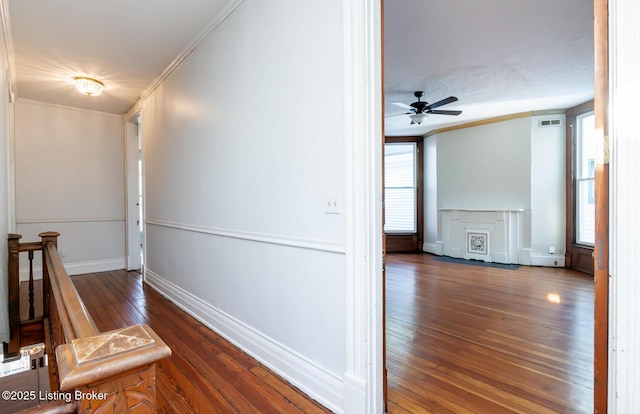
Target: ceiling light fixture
x=418, y=118
x=88, y=86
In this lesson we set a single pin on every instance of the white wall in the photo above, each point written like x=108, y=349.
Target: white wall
x=5, y=156
x=512, y=165
x=69, y=166
x=487, y=167
x=431, y=195
x=548, y=189
x=241, y=145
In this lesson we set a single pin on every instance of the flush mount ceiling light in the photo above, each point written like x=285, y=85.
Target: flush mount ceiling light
x=88, y=86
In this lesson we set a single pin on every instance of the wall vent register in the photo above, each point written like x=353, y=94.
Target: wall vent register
x=550, y=122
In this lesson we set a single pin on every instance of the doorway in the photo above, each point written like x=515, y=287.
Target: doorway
x=134, y=192
x=601, y=202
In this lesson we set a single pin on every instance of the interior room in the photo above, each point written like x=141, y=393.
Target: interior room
x=194, y=199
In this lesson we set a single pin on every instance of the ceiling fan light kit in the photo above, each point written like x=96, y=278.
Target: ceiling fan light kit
x=420, y=109
x=88, y=86
x=418, y=118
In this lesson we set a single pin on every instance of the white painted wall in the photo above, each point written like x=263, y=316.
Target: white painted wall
x=69, y=167
x=431, y=226
x=487, y=167
x=241, y=144
x=548, y=189
x=5, y=174
x=505, y=166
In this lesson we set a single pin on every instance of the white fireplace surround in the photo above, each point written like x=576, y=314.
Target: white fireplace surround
x=490, y=236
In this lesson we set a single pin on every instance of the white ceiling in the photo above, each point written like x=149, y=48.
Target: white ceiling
x=126, y=44
x=497, y=56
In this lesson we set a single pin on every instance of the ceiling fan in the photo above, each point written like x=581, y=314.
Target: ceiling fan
x=420, y=109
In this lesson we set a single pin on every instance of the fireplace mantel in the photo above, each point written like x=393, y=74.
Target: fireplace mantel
x=489, y=235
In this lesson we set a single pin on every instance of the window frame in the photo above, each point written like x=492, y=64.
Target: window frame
x=409, y=241
x=578, y=256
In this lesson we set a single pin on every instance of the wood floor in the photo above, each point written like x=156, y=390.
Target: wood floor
x=460, y=339
x=471, y=339
x=205, y=373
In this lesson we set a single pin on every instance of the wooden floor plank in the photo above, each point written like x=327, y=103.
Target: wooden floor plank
x=459, y=339
x=205, y=373
x=487, y=340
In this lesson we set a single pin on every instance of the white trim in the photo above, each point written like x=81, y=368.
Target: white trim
x=624, y=222
x=547, y=260
x=319, y=245
x=69, y=220
x=70, y=108
x=218, y=18
x=311, y=378
x=433, y=248
x=132, y=194
x=525, y=257
x=78, y=268
x=8, y=44
x=362, y=54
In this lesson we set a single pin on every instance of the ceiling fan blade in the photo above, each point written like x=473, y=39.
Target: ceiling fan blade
x=404, y=113
x=442, y=102
x=441, y=112
x=405, y=106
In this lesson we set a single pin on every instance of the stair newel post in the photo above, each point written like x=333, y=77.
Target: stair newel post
x=12, y=348
x=47, y=237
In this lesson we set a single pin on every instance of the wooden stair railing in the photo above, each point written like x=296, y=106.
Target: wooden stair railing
x=102, y=371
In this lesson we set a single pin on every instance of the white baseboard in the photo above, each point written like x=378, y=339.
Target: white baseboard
x=78, y=268
x=315, y=381
x=548, y=260
x=433, y=248
x=525, y=257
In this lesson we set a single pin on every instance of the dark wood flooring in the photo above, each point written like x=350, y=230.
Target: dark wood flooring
x=471, y=339
x=205, y=373
x=460, y=339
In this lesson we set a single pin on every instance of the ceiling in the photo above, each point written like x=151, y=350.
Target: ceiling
x=497, y=56
x=128, y=45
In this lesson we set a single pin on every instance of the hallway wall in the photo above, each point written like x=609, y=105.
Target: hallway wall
x=242, y=144
x=69, y=167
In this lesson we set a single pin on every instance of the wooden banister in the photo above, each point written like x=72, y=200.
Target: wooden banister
x=82, y=324
x=101, y=370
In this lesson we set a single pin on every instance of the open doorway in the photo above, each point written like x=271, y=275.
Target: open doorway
x=135, y=199
x=601, y=349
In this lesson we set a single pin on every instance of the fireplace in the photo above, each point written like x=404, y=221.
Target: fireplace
x=490, y=236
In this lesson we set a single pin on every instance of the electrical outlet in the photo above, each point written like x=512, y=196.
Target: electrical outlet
x=552, y=249
x=332, y=204
x=63, y=253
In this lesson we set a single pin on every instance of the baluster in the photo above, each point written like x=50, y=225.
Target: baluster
x=31, y=309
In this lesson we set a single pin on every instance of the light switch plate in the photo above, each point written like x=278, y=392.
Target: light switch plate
x=332, y=204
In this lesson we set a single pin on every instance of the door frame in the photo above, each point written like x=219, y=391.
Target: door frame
x=132, y=191
x=601, y=247
x=601, y=251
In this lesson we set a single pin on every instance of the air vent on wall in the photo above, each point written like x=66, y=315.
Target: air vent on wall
x=550, y=122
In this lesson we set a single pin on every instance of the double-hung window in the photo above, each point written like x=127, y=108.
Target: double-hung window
x=584, y=185
x=400, y=187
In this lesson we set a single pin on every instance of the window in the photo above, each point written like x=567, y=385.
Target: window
x=400, y=187
x=584, y=186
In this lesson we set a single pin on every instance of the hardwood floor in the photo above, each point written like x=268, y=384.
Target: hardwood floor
x=205, y=373
x=460, y=339
x=471, y=339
